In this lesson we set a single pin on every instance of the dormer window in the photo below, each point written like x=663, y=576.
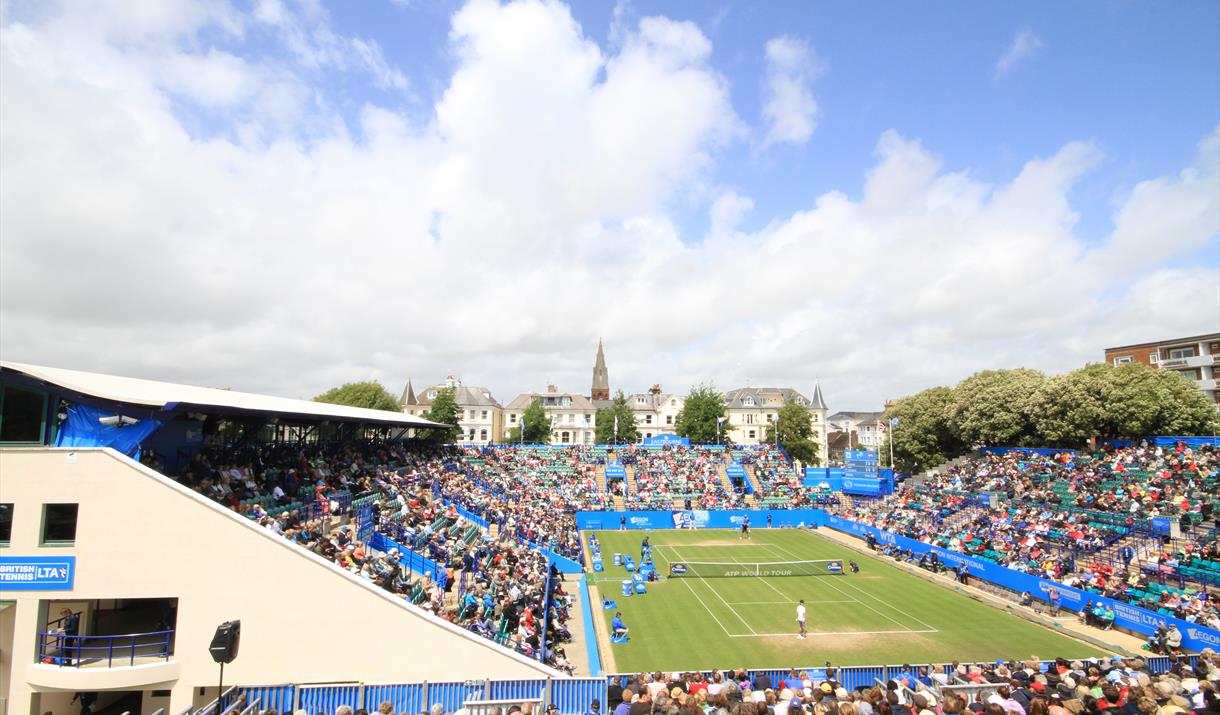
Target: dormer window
x=432, y=394
x=748, y=402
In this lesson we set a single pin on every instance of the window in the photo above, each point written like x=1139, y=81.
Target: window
x=648, y=435
x=567, y=401
x=648, y=419
x=639, y=400
x=748, y=402
x=750, y=419
x=6, y=523
x=484, y=414
x=770, y=417
x=1154, y=357
x=513, y=418
x=1121, y=359
x=59, y=524
x=751, y=434
x=1181, y=353
x=565, y=437
x=432, y=394
x=22, y=414
x=471, y=434
x=673, y=403
x=482, y=435
x=571, y=418
x=669, y=419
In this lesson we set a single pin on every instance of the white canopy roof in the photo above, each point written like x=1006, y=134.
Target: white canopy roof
x=171, y=397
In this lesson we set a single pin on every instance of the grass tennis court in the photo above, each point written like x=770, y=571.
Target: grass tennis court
x=881, y=615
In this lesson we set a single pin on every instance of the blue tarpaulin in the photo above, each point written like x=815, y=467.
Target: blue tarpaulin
x=83, y=429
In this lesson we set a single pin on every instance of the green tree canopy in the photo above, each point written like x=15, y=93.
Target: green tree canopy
x=368, y=394
x=996, y=408
x=1130, y=400
x=627, y=432
x=537, y=425
x=444, y=410
x=698, y=418
x=922, y=438
x=795, y=426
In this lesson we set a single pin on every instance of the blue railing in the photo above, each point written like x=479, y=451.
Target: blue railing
x=116, y=650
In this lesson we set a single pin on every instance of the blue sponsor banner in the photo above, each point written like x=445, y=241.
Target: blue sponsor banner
x=37, y=573
x=1160, y=525
x=860, y=455
x=1194, y=637
x=1192, y=442
x=702, y=519
x=861, y=485
x=667, y=440
x=1044, y=451
x=735, y=471
x=616, y=470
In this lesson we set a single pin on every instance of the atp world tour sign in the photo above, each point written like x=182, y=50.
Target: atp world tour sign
x=37, y=573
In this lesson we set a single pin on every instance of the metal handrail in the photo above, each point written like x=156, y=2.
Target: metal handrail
x=70, y=650
x=212, y=706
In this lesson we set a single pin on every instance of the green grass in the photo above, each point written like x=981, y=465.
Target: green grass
x=881, y=615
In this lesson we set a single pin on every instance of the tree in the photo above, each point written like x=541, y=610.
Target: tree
x=626, y=432
x=445, y=411
x=368, y=394
x=996, y=408
x=795, y=428
x=698, y=419
x=922, y=438
x=537, y=425
x=1130, y=400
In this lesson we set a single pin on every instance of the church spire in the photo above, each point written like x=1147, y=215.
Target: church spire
x=601, y=376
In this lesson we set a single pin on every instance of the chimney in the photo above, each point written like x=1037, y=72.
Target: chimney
x=551, y=388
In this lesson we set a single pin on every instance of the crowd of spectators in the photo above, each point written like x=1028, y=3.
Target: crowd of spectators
x=690, y=475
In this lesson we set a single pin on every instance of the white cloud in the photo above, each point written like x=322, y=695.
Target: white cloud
x=1025, y=44
x=788, y=103
x=536, y=210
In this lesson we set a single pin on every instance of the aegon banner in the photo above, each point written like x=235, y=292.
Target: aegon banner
x=1194, y=637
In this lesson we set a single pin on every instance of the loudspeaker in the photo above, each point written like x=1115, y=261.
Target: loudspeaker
x=224, y=643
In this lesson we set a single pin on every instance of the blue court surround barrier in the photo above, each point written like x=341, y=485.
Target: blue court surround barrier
x=586, y=610
x=572, y=695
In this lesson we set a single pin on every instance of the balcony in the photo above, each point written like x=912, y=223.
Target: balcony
x=130, y=660
x=1195, y=361
x=1205, y=384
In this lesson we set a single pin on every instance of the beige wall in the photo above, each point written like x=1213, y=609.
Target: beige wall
x=141, y=535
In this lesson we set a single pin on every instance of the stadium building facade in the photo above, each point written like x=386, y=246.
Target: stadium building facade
x=1196, y=358
x=146, y=568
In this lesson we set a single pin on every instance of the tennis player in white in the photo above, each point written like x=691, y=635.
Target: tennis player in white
x=800, y=619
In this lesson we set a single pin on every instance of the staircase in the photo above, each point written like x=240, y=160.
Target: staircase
x=601, y=478
x=630, y=468
x=752, y=479
x=844, y=500
x=619, y=503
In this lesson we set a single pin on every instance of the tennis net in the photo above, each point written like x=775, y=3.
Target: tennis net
x=716, y=569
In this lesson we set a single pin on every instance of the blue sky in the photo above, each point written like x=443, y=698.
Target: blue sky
x=880, y=196
x=1138, y=78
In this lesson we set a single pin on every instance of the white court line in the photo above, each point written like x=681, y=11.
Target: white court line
x=714, y=592
x=781, y=603
x=838, y=633
x=883, y=602
x=845, y=593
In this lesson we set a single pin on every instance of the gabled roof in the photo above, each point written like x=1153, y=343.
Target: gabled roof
x=463, y=396
x=166, y=399
x=579, y=401
x=763, y=397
